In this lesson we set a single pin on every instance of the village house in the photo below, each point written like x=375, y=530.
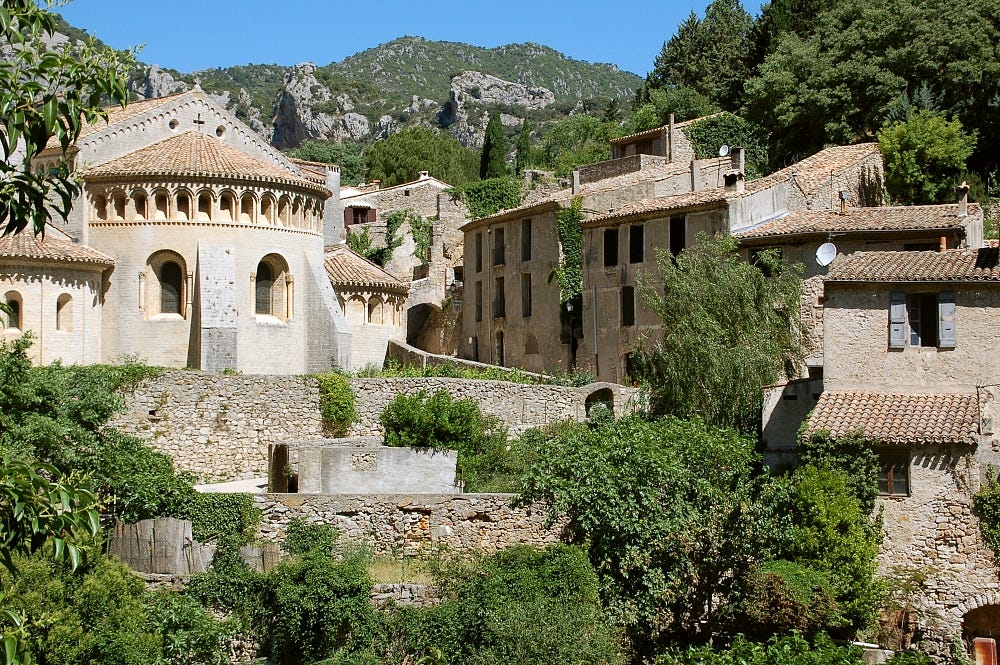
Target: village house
x=910, y=363
x=622, y=244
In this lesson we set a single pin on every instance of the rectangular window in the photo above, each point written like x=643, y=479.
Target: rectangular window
x=499, y=300
x=479, y=302
x=610, y=247
x=636, y=244
x=678, y=235
x=499, y=249
x=526, y=294
x=628, y=306
x=921, y=313
x=894, y=473
x=479, y=252
x=526, y=240
x=475, y=349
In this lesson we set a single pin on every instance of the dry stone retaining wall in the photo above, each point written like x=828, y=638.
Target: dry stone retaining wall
x=219, y=426
x=395, y=524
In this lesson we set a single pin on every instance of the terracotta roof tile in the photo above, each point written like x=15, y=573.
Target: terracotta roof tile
x=803, y=222
x=814, y=171
x=196, y=155
x=54, y=247
x=953, y=265
x=346, y=268
x=657, y=130
x=118, y=114
x=898, y=419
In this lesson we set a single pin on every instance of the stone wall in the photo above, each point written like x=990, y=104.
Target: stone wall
x=219, y=426
x=395, y=524
x=615, y=167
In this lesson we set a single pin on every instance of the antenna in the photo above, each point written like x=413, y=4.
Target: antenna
x=723, y=150
x=826, y=253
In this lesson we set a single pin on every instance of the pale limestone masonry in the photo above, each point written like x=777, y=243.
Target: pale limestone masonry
x=395, y=524
x=219, y=426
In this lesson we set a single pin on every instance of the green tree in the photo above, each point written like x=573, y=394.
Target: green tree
x=346, y=155
x=708, y=55
x=710, y=134
x=523, y=157
x=728, y=330
x=401, y=157
x=665, y=509
x=47, y=92
x=923, y=156
x=493, y=159
x=657, y=104
x=574, y=142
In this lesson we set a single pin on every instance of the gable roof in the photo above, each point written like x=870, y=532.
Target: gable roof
x=656, y=131
x=349, y=192
x=54, y=247
x=898, y=419
x=195, y=155
x=953, y=265
x=815, y=170
x=898, y=218
x=347, y=268
x=118, y=114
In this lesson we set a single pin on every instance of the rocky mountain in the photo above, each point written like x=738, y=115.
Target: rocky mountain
x=407, y=82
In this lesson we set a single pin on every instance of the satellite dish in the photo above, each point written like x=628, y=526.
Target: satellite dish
x=826, y=253
x=723, y=150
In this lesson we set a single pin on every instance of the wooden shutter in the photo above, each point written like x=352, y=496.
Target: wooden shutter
x=897, y=320
x=946, y=320
x=348, y=216
x=371, y=215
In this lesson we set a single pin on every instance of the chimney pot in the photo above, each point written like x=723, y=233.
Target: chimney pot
x=576, y=183
x=963, y=199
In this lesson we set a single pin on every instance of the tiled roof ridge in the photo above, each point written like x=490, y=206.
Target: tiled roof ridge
x=365, y=273
x=655, y=130
x=872, y=218
x=956, y=265
x=55, y=246
x=399, y=186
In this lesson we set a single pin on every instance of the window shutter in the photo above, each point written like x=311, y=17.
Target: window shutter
x=946, y=320
x=371, y=215
x=348, y=216
x=897, y=320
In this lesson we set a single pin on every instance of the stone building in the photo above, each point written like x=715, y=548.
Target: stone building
x=621, y=245
x=208, y=241
x=909, y=361
x=374, y=303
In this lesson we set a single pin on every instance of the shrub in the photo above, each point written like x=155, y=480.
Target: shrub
x=336, y=403
x=221, y=516
x=986, y=504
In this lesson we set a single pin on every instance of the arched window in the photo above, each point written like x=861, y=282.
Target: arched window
x=247, y=208
x=139, y=205
x=101, y=207
x=119, y=202
x=162, y=203
x=204, y=207
x=64, y=313
x=227, y=207
x=267, y=210
x=171, y=288
x=183, y=206
x=264, y=296
x=13, y=300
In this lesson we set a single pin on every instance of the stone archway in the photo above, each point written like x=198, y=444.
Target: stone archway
x=981, y=622
x=602, y=396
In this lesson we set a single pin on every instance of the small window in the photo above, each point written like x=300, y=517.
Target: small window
x=678, y=235
x=610, y=247
x=475, y=349
x=479, y=302
x=894, y=473
x=479, y=252
x=64, y=313
x=636, y=243
x=171, y=281
x=499, y=248
x=204, y=206
x=526, y=240
x=162, y=205
x=183, y=207
x=526, y=294
x=921, y=313
x=500, y=348
x=264, y=301
x=13, y=300
x=628, y=306
x=499, y=300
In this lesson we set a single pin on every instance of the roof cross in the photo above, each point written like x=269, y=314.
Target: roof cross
x=198, y=121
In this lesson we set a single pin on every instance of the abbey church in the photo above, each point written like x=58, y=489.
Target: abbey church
x=193, y=243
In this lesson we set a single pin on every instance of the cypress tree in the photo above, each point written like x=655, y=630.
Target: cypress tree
x=523, y=148
x=493, y=163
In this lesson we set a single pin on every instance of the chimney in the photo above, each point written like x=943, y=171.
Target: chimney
x=374, y=185
x=670, y=138
x=963, y=199
x=424, y=175
x=695, y=175
x=576, y=183
x=735, y=181
x=843, y=201
x=738, y=159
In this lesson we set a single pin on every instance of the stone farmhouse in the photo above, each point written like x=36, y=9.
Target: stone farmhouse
x=909, y=363
x=193, y=243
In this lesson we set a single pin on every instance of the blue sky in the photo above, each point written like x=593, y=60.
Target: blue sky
x=197, y=34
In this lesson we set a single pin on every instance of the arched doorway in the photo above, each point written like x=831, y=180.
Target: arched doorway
x=981, y=631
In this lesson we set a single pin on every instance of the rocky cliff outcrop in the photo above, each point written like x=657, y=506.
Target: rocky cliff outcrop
x=156, y=83
x=464, y=113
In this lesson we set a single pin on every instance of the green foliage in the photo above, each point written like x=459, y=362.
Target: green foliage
x=784, y=596
x=346, y=155
x=394, y=370
x=47, y=92
x=851, y=454
x=420, y=229
x=664, y=509
x=493, y=160
x=189, y=633
x=986, y=504
x=578, y=140
x=302, y=537
x=336, y=403
x=709, y=134
x=654, y=106
x=523, y=149
x=923, y=155
x=779, y=650
x=214, y=516
x=361, y=243
x=521, y=605
x=569, y=272
x=486, y=197
x=728, y=330
x=401, y=157
x=708, y=55
x=442, y=422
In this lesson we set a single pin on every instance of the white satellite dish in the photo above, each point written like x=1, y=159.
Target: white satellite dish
x=826, y=253
x=723, y=150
